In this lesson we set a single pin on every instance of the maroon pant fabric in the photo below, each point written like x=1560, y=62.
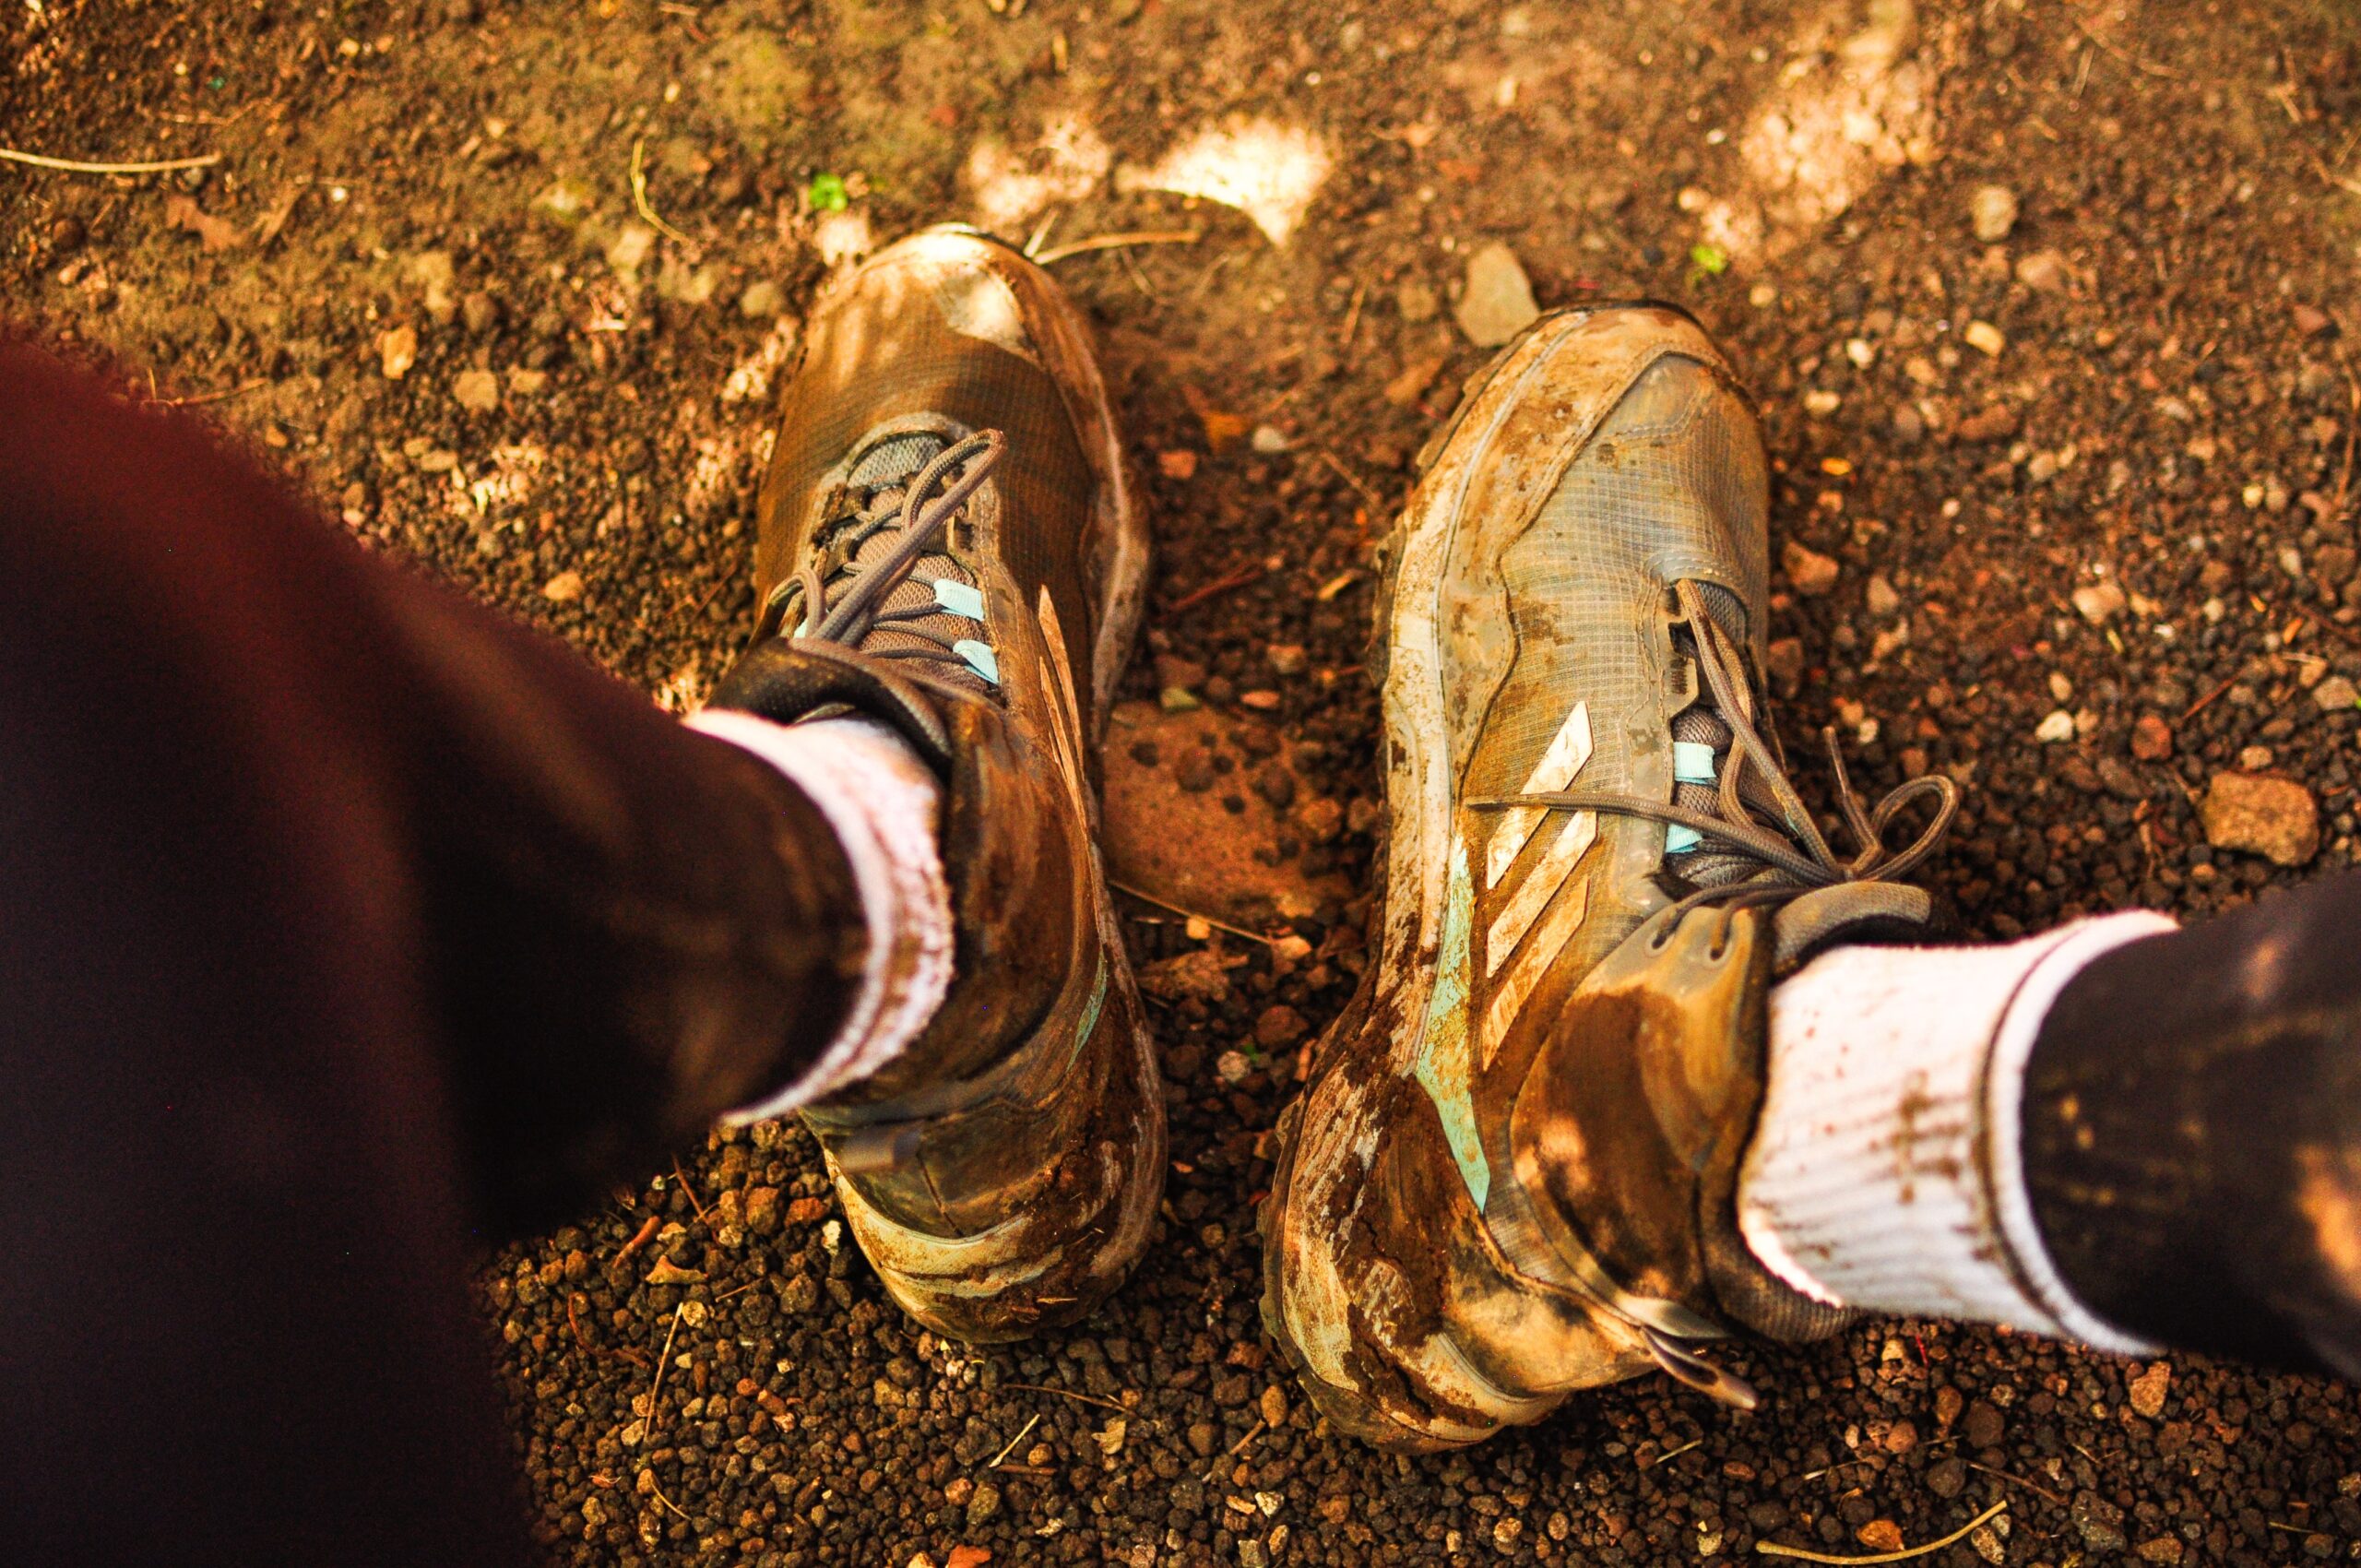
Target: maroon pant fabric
x=341, y=920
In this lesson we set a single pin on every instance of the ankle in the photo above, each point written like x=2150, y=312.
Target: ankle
x=1885, y=1172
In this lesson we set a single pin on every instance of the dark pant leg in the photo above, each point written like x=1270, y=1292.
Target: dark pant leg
x=338, y=920
x=2192, y=1127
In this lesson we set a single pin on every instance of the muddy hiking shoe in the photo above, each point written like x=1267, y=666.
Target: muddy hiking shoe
x=1513, y=1174
x=950, y=544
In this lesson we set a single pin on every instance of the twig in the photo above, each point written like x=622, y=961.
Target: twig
x=1366, y=494
x=1236, y=1449
x=189, y=402
x=2012, y=1476
x=1773, y=1548
x=1118, y=242
x=2200, y=704
x=1668, y=1458
x=1041, y=235
x=1192, y=914
x=640, y=194
x=1353, y=316
x=2145, y=68
x=79, y=166
x=2344, y=634
x=689, y=1188
x=738, y=1291
x=1070, y=1394
x=1218, y=587
x=669, y=1504
x=646, y=1233
x=663, y=1359
x=1030, y=1422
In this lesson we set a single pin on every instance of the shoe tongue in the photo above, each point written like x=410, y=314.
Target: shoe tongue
x=890, y=464
x=894, y=460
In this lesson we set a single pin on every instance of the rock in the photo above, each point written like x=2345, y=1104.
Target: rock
x=967, y=1557
x=1274, y=1407
x=1993, y=211
x=479, y=313
x=1998, y=423
x=762, y=301
x=2057, y=727
x=1497, y=303
x=1167, y=832
x=1417, y=375
x=2312, y=321
x=564, y=589
x=2261, y=814
x=1986, y=338
x=2044, y=272
x=2336, y=694
x=2151, y=738
x=1198, y=973
x=396, y=351
x=667, y=1272
x=1879, y=1535
x=2099, y=602
x=1231, y=1066
x=1415, y=298
x=476, y=390
x=1786, y=658
x=1881, y=600
x=1270, y=440
x=2097, y=1521
x=1947, y=1477
x=2149, y=1389
x=1279, y=1027
x=983, y=1506
x=2165, y=1551
x=1984, y=1426
x=1810, y=571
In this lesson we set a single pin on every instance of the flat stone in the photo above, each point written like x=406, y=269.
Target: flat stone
x=2336, y=694
x=1183, y=846
x=1812, y=572
x=2259, y=814
x=1497, y=303
x=477, y=391
x=1993, y=211
x=2149, y=1389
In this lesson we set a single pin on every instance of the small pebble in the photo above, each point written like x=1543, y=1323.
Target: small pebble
x=1497, y=302
x=1993, y=211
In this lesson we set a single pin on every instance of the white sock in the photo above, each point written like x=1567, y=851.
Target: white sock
x=883, y=802
x=1886, y=1172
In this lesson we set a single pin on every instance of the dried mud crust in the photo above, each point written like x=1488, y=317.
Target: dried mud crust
x=2171, y=380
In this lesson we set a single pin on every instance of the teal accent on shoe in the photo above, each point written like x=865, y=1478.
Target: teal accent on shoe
x=1692, y=763
x=959, y=598
x=1443, y=1066
x=979, y=657
x=1090, y=1009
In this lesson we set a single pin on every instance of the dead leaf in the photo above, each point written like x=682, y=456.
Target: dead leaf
x=1221, y=427
x=213, y=233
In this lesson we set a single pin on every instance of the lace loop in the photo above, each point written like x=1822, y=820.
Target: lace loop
x=1792, y=855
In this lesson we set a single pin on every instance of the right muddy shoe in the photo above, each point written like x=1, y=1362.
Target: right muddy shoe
x=950, y=544
x=1513, y=1173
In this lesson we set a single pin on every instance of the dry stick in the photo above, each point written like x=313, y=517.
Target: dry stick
x=663, y=1359
x=1236, y=1448
x=79, y=166
x=2144, y=67
x=1119, y=242
x=192, y=401
x=647, y=1232
x=1032, y=1421
x=1773, y=1548
x=669, y=1504
x=689, y=1188
x=1167, y=904
x=1366, y=494
x=1668, y=1458
x=1070, y=1394
x=2012, y=1476
x=640, y=194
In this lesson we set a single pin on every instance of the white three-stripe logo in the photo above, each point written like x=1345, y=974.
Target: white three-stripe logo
x=1536, y=892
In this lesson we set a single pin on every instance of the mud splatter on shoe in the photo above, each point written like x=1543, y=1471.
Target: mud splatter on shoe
x=951, y=542
x=1511, y=1175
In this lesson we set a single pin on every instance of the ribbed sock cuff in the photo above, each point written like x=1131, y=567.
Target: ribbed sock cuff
x=883, y=802
x=1885, y=1172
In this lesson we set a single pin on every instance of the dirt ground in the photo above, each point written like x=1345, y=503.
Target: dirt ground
x=2047, y=307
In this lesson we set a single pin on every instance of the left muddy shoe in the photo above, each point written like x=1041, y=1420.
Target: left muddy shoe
x=950, y=544
x=1513, y=1173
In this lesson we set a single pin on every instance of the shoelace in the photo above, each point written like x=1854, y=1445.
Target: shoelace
x=1790, y=854
x=858, y=608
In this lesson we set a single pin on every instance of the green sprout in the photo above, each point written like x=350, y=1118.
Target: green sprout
x=1708, y=259
x=827, y=194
